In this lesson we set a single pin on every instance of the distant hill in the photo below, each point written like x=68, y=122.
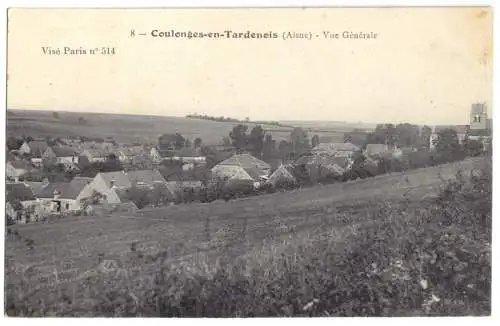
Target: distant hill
x=146, y=129
x=123, y=128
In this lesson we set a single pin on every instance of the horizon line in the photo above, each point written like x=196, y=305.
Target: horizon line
x=240, y=120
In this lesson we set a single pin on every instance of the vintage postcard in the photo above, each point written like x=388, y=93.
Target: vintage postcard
x=248, y=162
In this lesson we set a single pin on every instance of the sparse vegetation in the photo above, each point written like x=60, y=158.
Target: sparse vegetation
x=388, y=259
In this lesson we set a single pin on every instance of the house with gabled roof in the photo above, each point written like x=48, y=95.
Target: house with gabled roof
x=241, y=167
x=105, y=183
x=62, y=197
x=145, y=178
x=119, y=199
x=282, y=175
x=336, y=149
x=21, y=204
x=38, y=150
x=321, y=166
x=245, y=160
x=378, y=150
x=36, y=186
x=229, y=172
x=33, y=147
x=95, y=154
x=131, y=154
x=16, y=169
x=66, y=155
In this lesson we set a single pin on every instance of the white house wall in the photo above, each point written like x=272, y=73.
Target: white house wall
x=67, y=160
x=98, y=184
x=47, y=205
x=12, y=172
x=25, y=149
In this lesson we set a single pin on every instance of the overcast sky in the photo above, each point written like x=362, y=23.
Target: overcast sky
x=425, y=66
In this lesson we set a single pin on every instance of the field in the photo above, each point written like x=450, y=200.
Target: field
x=65, y=253
x=127, y=128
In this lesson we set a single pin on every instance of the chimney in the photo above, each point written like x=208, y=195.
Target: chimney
x=112, y=183
x=57, y=194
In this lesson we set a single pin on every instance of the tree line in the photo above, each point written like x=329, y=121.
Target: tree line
x=228, y=119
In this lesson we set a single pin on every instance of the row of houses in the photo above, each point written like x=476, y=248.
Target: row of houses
x=36, y=200
x=324, y=160
x=349, y=151
x=39, y=150
x=32, y=201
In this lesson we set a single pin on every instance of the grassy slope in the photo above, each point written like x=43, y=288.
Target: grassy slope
x=180, y=231
x=128, y=128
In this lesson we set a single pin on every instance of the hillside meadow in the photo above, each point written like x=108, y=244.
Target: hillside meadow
x=155, y=262
x=134, y=128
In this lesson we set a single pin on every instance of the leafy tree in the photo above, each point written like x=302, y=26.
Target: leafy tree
x=201, y=173
x=448, y=145
x=111, y=157
x=256, y=141
x=226, y=141
x=160, y=195
x=357, y=137
x=407, y=135
x=139, y=196
x=425, y=136
x=473, y=147
x=213, y=157
x=110, y=165
x=402, y=135
x=50, y=141
x=284, y=149
x=299, y=141
x=168, y=141
x=239, y=137
x=14, y=143
x=315, y=141
x=360, y=169
x=269, y=149
x=383, y=134
x=197, y=142
x=95, y=198
x=170, y=169
x=388, y=165
x=301, y=174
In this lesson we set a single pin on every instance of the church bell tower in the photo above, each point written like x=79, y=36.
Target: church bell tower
x=478, y=116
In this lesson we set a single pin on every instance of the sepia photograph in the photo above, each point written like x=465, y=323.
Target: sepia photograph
x=248, y=162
